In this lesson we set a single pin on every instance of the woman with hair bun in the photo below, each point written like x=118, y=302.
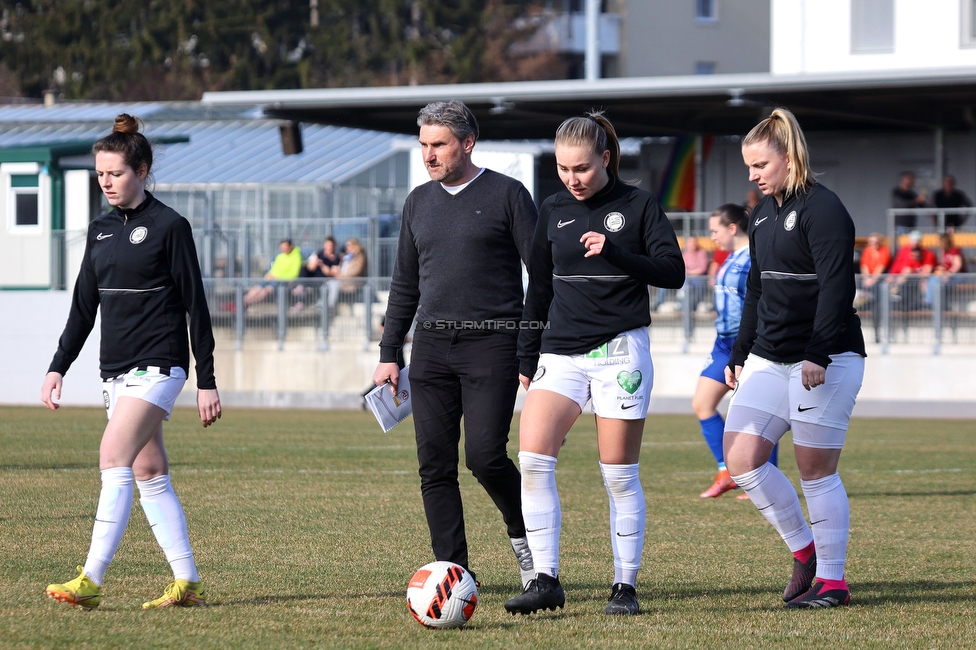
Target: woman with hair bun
x=140, y=269
x=798, y=359
x=597, y=247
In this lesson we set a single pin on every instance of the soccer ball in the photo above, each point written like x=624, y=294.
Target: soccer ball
x=442, y=595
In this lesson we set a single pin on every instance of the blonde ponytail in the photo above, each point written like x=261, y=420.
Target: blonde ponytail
x=783, y=134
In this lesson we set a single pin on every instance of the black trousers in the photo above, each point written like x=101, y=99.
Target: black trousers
x=473, y=373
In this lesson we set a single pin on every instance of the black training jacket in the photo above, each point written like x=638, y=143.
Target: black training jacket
x=587, y=301
x=141, y=267
x=800, y=291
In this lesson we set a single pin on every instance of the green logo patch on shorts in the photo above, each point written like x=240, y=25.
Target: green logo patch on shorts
x=630, y=381
x=618, y=347
x=140, y=373
x=598, y=353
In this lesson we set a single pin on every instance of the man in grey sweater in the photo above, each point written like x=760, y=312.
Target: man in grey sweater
x=458, y=272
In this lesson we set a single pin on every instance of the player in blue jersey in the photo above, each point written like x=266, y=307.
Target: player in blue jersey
x=729, y=228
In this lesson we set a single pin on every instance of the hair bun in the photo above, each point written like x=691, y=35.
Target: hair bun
x=126, y=124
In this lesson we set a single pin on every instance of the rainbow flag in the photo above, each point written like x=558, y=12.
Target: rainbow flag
x=678, y=183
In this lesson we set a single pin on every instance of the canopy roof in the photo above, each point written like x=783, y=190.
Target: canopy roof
x=203, y=145
x=648, y=106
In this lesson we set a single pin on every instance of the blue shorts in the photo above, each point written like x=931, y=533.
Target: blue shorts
x=718, y=359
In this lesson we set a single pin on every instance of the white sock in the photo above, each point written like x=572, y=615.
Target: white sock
x=830, y=518
x=524, y=556
x=773, y=494
x=111, y=518
x=540, y=510
x=165, y=516
x=628, y=516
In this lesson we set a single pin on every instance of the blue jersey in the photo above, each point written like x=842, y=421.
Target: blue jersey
x=730, y=292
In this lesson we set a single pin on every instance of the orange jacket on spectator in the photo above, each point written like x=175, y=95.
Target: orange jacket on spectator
x=875, y=260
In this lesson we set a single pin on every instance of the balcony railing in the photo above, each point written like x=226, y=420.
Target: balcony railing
x=932, y=220
x=566, y=33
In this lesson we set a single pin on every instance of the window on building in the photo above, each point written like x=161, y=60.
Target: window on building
x=27, y=209
x=704, y=67
x=872, y=26
x=24, y=200
x=968, y=36
x=706, y=10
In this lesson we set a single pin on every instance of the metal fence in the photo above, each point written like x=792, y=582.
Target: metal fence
x=690, y=224
x=929, y=310
x=67, y=250
x=237, y=227
x=323, y=311
x=249, y=250
x=895, y=310
x=930, y=220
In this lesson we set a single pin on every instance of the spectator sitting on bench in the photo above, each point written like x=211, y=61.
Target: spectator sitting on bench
x=353, y=265
x=953, y=262
x=323, y=263
x=696, y=271
x=875, y=259
x=286, y=266
x=912, y=260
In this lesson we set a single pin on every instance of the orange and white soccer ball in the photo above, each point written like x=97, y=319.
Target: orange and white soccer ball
x=442, y=595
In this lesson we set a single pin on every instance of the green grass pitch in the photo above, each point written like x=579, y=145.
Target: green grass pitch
x=307, y=526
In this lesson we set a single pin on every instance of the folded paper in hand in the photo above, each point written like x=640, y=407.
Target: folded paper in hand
x=389, y=409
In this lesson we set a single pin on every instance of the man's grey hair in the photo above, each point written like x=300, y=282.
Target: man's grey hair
x=453, y=114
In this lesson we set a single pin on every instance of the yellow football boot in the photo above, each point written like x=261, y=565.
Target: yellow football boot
x=180, y=593
x=80, y=591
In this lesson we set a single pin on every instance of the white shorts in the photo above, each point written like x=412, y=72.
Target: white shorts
x=617, y=376
x=777, y=389
x=148, y=383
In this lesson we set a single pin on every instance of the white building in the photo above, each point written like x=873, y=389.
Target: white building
x=830, y=36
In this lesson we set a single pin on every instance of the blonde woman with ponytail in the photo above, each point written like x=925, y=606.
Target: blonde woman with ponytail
x=798, y=359
x=598, y=245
